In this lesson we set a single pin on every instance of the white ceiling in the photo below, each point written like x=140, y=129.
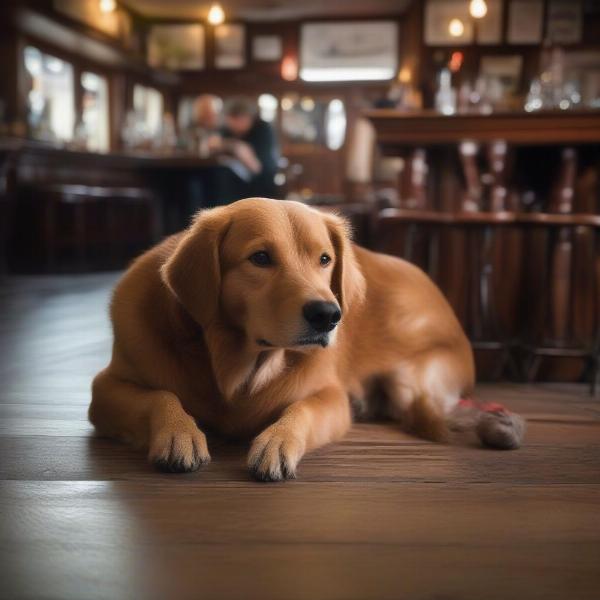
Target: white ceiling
x=269, y=10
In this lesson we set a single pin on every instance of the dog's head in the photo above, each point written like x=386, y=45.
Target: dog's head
x=281, y=272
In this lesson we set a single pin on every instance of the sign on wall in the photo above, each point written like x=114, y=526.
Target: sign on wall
x=346, y=51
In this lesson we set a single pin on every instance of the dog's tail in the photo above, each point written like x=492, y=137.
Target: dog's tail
x=495, y=426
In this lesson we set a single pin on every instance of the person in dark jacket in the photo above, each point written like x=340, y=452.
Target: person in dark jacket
x=252, y=141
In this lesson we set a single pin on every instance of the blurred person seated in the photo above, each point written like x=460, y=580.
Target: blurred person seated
x=252, y=141
x=207, y=112
x=203, y=133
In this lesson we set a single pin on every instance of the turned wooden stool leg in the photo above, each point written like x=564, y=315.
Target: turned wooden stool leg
x=111, y=227
x=595, y=385
x=412, y=185
x=79, y=208
x=50, y=233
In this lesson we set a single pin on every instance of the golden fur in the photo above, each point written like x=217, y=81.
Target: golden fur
x=188, y=316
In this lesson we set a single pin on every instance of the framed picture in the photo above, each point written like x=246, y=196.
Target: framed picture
x=438, y=16
x=564, y=22
x=349, y=50
x=176, y=47
x=506, y=69
x=266, y=47
x=489, y=28
x=525, y=21
x=230, y=46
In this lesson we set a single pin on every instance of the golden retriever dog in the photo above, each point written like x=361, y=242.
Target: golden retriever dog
x=264, y=319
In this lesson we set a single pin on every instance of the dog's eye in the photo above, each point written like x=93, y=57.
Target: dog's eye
x=325, y=259
x=261, y=259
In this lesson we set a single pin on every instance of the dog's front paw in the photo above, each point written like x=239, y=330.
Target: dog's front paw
x=179, y=448
x=275, y=454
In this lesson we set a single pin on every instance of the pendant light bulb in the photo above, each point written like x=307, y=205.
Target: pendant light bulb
x=216, y=14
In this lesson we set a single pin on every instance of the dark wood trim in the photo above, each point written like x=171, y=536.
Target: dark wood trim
x=395, y=128
x=490, y=218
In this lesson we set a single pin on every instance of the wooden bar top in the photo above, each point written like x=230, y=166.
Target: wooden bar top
x=490, y=218
x=120, y=160
x=395, y=128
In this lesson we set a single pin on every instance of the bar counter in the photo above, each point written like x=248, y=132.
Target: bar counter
x=396, y=129
x=45, y=188
x=18, y=147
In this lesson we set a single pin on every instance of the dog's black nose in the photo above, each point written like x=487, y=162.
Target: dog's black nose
x=322, y=316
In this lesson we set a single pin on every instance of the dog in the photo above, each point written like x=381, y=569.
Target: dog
x=264, y=319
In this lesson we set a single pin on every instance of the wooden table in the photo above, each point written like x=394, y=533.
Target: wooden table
x=16, y=147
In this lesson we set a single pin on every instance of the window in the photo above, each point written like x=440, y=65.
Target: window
x=185, y=113
x=148, y=107
x=301, y=119
x=95, y=111
x=335, y=124
x=50, y=96
x=267, y=106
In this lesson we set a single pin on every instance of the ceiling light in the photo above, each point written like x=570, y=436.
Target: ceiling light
x=478, y=8
x=456, y=28
x=107, y=6
x=216, y=14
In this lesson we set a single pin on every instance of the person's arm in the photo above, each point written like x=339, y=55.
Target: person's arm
x=246, y=155
x=242, y=151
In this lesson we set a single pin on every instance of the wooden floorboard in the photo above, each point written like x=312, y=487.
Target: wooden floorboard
x=379, y=515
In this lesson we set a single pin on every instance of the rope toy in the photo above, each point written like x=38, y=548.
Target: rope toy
x=494, y=424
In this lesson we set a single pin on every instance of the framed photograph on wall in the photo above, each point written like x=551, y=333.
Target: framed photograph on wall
x=506, y=69
x=489, y=29
x=438, y=16
x=176, y=47
x=266, y=47
x=564, y=22
x=349, y=50
x=230, y=46
x=525, y=21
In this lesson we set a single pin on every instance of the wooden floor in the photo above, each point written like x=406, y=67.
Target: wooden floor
x=380, y=515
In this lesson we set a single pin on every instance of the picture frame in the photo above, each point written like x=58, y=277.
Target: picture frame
x=267, y=48
x=349, y=50
x=489, y=29
x=525, y=22
x=506, y=68
x=564, y=22
x=176, y=46
x=438, y=14
x=230, y=46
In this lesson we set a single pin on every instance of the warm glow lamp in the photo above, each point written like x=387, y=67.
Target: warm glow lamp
x=107, y=6
x=216, y=14
x=456, y=28
x=478, y=9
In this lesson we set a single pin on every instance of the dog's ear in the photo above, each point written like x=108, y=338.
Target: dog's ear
x=193, y=271
x=347, y=280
